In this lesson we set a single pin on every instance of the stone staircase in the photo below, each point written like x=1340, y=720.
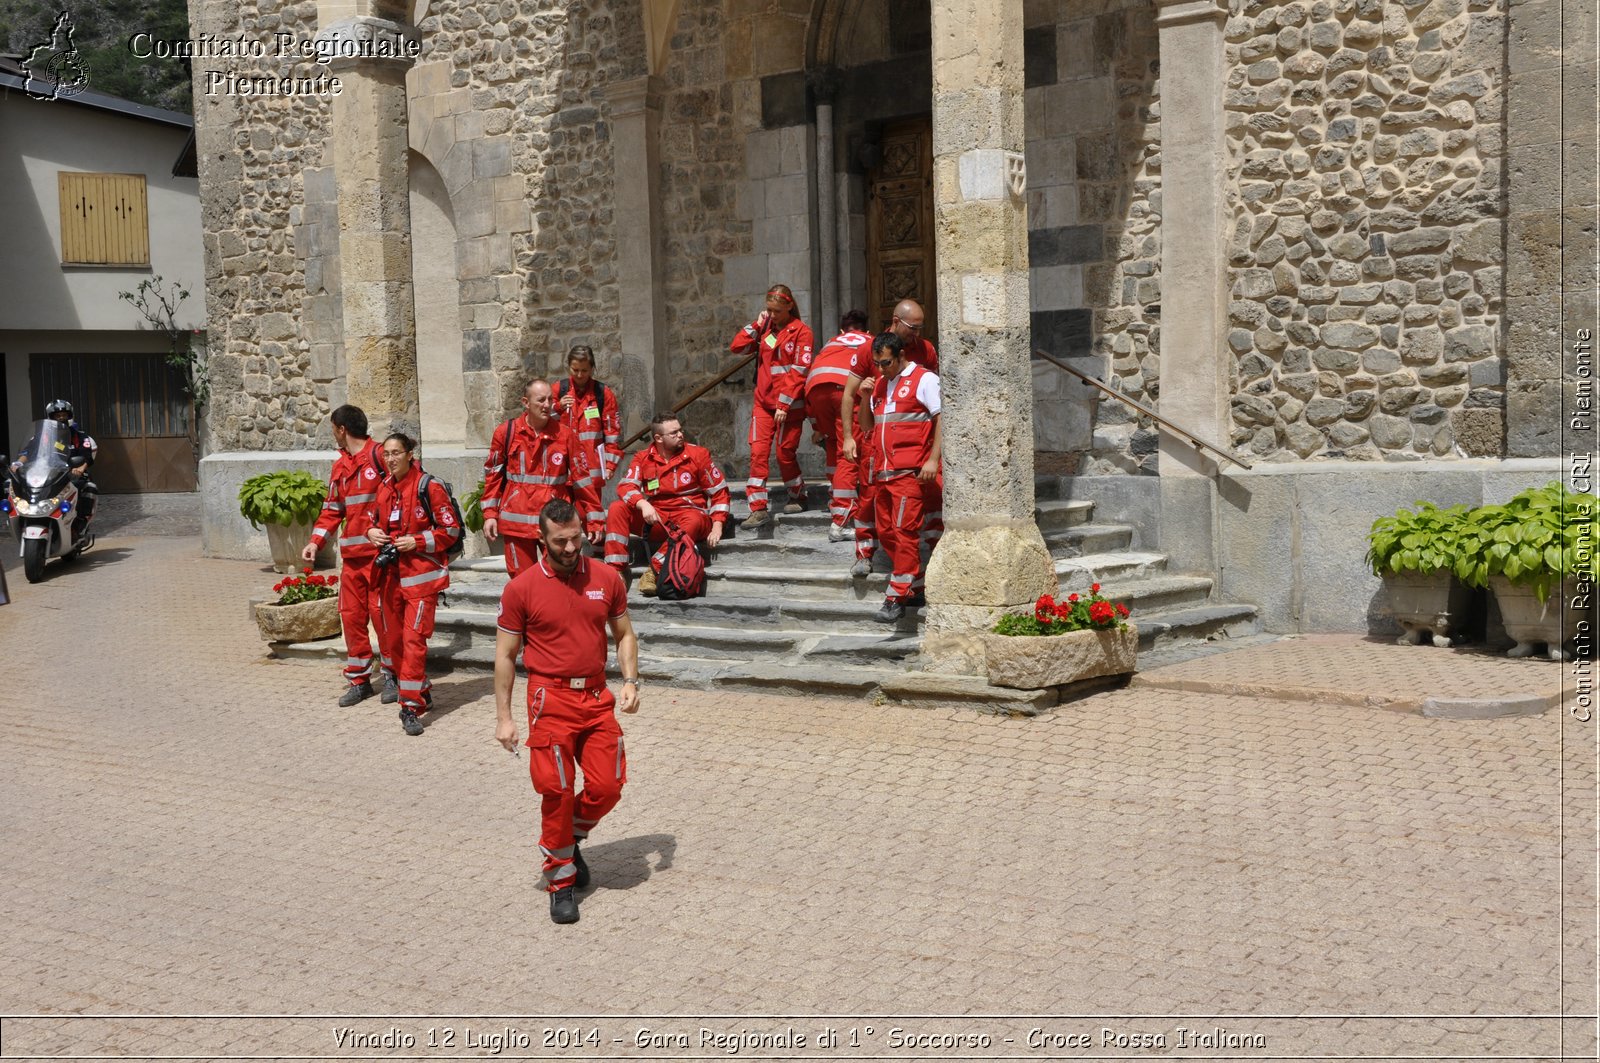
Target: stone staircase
x=782, y=612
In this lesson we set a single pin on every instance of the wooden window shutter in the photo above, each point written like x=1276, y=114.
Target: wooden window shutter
x=104, y=219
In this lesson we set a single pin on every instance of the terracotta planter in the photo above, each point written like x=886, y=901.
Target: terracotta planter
x=286, y=542
x=1034, y=662
x=301, y=622
x=1431, y=602
x=1531, y=622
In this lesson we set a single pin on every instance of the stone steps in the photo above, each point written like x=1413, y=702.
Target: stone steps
x=783, y=613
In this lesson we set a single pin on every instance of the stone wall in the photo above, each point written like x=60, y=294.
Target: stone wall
x=1366, y=277
x=1093, y=154
x=253, y=152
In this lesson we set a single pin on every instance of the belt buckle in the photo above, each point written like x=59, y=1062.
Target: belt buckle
x=577, y=684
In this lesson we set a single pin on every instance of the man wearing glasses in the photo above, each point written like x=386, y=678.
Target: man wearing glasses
x=907, y=324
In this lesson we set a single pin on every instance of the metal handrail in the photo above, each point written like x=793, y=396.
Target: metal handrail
x=1177, y=430
x=641, y=433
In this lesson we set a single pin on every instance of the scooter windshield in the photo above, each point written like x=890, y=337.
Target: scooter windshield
x=44, y=455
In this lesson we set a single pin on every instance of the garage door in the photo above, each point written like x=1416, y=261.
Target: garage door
x=135, y=407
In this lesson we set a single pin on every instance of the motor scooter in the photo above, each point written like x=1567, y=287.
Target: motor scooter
x=41, y=499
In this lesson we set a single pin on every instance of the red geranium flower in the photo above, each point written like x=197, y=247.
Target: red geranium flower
x=1122, y=610
x=1094, y=588
x=1072, y=597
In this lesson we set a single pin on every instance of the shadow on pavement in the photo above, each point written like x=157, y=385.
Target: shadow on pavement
x=625, y=863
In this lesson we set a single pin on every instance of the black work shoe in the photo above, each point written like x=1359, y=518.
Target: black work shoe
x=391, y=689
x=890, y=612
x=409, y=721
x=582, y=881
x=916, y=601
x=357, y=693
x=563, y=905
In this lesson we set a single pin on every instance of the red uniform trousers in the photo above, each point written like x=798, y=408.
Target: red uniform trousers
x=404, y=627
x=866, y=501
x=521, y=553
x=623, y=520
x=357, y=608
x=567, y=730
x=763, y=429
x=827, y=416
x=909, y=514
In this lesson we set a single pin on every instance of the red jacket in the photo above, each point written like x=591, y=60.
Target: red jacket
x=785, y=355
x=533, y=467
x=848, y=353
x=902, y=427
x=422, y=571
x=597, y=424
x=691, y=480
x=352, y=489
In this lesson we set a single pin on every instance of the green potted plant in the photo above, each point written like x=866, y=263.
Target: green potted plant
x=472, y=518
x=1536, y=553
x=1075, y=638
x=307, y=608
x=286, y=502
x=1415, y=554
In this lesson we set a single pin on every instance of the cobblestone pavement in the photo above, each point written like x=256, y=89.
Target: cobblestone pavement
x=192, y=828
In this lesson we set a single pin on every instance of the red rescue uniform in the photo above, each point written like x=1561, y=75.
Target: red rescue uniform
x=596, y=421
x=921, y=352
x=409, y=589
x=571, y=723
x=526, y=468
x=352, y=491
x=687, y=490
x=908, y=511
x=847, y=354
x=784, y=357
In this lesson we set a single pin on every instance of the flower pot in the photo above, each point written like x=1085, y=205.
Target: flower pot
x=301, y=622
x=1034, y=662
x=1530, y=622
x=286, y=542
x=1432, y=602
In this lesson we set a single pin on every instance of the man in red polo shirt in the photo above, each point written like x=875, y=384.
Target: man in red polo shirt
x=555, y=614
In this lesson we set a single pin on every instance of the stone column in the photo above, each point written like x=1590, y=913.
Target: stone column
x=369, y=144
x=1195, y=366
x=635, y=115
x=826, y=318
x=992, y=557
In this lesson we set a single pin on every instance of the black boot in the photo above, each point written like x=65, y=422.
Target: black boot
x=357, y=693
x=582, y=881
x=564, y=905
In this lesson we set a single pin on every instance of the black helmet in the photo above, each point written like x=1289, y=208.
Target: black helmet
x=58, y=407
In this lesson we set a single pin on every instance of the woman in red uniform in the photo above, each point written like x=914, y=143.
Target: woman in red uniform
x=413, y=515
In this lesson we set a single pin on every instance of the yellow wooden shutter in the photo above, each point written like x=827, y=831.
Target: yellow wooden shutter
x=104, y=220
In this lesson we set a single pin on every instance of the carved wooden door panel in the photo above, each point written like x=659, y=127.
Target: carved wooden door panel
x=900, y=262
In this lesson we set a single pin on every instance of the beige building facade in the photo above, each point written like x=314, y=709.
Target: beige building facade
x=1349, y=242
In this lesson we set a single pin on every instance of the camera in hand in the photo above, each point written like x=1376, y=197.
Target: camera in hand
x=388, y=554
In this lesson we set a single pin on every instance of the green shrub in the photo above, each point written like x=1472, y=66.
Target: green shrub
x=472, y=509
x=1542, y=535
x=1428, y=540
x=282, y=497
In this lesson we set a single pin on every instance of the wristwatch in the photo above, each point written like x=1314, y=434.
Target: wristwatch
x=630, y=679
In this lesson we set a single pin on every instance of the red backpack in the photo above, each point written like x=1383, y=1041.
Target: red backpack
x=683, y=570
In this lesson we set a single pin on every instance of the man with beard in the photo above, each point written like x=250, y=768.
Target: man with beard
x=669, y=482
x=555, y=615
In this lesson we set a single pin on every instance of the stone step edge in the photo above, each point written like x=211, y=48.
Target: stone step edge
x=1435, y=706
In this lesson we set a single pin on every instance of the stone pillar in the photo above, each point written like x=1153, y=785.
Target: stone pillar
x=1195, y=365
x=992, y=557
x=635, y=115
x=369, y=144
x=826, y=317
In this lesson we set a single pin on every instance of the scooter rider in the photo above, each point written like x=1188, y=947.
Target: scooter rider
x=60, y=411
